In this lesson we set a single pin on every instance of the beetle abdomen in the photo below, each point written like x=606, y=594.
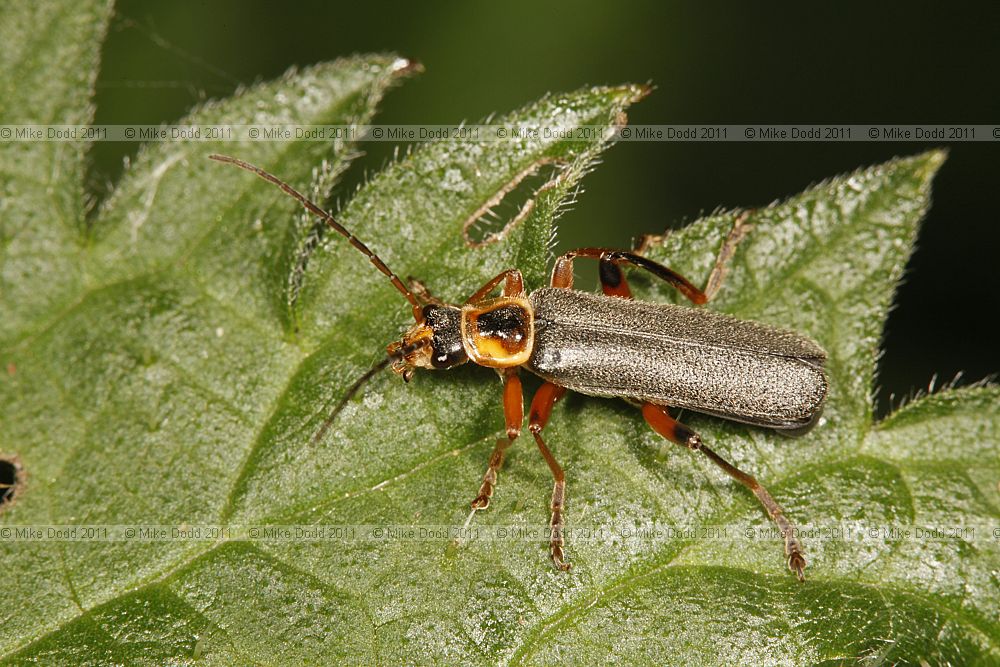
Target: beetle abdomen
x=677, y=356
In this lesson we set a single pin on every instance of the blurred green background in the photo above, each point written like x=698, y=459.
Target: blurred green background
x=838, y=63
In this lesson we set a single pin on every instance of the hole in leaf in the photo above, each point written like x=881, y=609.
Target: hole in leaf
x=511, y=204
x=10, y=480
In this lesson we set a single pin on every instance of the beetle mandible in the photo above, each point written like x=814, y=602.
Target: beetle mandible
x=654, y=355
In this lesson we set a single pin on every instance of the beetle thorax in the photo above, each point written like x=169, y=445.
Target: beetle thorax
x=498, y=333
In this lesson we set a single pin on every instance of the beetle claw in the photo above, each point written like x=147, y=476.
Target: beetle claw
x=797, y=564
x=557, y=559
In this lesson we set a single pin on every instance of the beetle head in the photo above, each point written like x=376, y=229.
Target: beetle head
x=436, y=342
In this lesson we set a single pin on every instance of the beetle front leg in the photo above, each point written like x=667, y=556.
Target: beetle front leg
x=538, y=417
x=513, y=411
x=671, y=429
x=513, y=285
x=420, y=291
x=482, y=501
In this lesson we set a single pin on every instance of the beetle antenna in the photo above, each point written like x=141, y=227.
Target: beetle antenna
x=331, y=223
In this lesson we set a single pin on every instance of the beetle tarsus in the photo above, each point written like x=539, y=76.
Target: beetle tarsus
x=556, y=526
x=793, y=548
x=482, y=501
x=557, y=559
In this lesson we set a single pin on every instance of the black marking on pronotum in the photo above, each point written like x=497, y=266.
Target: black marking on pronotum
x=505, y=323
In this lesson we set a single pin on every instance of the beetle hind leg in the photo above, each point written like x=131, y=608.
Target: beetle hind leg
x=538, y=417
x=660, y=420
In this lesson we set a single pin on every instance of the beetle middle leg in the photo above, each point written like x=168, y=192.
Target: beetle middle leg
x=671, y=429
x=538, y=417
x=740, y=229
x=612, y=277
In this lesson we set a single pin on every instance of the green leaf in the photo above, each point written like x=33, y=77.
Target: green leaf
x=170, y=362
x=42, y=201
